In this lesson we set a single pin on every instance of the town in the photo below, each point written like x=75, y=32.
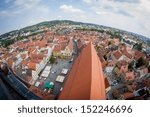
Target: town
x=45, y=58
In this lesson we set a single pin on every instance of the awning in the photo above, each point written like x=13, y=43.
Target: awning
x=49, y=85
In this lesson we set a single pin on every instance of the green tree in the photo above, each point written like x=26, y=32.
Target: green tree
x=138, y=46
x=105, y=57
x=109, y=43
x=149, y=68
x=98, y=48
x=140, y=62
x=6, y=43
x=131, y=66
x=52, y=59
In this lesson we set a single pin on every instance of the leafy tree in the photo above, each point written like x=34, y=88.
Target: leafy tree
x=149, y=68
x=131, y=66
x=52, y=59
x=105, y=57
x=6, y=43
x=109, y=43
x=97, y=48
x=19, y=38
x=34, y=39
x=138, y=46
x=140, y=62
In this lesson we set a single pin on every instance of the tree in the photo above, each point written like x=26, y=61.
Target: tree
x=52, y=59
x=105, y=57
x=149, y=68
x=138, y=46
x=34, y=39
x=109, y=43
x=19, y=38
x=6, y=43
x=131, y=66
x=140, y=62
x=98, y=48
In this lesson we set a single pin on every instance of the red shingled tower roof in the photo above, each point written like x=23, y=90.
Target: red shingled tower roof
x=85, y=81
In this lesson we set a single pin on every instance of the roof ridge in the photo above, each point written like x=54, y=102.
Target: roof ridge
x=74, y=75
x=91, y=67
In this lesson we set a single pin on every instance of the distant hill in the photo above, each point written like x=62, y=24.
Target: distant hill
x=56, y=22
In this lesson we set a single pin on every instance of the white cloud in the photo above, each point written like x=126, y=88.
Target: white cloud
x=6, y=13
x=23, y=7
x=7, y=1
x=128, y=15
x=87, y=1
x=27, y=4
x=70, y=9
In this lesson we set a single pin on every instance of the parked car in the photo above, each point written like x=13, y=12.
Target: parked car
x=71, y=60
x=23, y=72
x=53, y=72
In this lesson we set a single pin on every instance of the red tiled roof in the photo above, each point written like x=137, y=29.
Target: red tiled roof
x=63, y=46
x=117, y=54
x=127, y=54
x=45, y=51
x=102, y=59
x=130, y=76
x=122, y=63
x=36, y=60
x=40, y=43
x=23, y=56
x=128, y=95
x=50, y=45
x=60, y=47
x=138, y=54
x=57, y=48
x=32, y=66
x=36, y=56
x=70, y=45
x=111, y=63
x=30, y=44
x=106, y=83
x=10, y=61
x=85, y=80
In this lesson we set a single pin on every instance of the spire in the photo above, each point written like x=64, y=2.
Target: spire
x=85, y=80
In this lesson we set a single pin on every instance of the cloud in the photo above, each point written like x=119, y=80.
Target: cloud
x=24, y=7
x=70, y=9
x=7, y=1
x=127, y=1
x=27, y=4
x=87, y=1
x=6, y=13
x=131, y=15
x=21, y=13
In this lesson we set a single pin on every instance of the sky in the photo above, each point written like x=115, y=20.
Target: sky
x=129, y=15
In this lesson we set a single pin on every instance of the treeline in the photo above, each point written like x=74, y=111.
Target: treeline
x=6, y=43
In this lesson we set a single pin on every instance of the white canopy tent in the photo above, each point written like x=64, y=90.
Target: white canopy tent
x=60, y=79
x=64, y=71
